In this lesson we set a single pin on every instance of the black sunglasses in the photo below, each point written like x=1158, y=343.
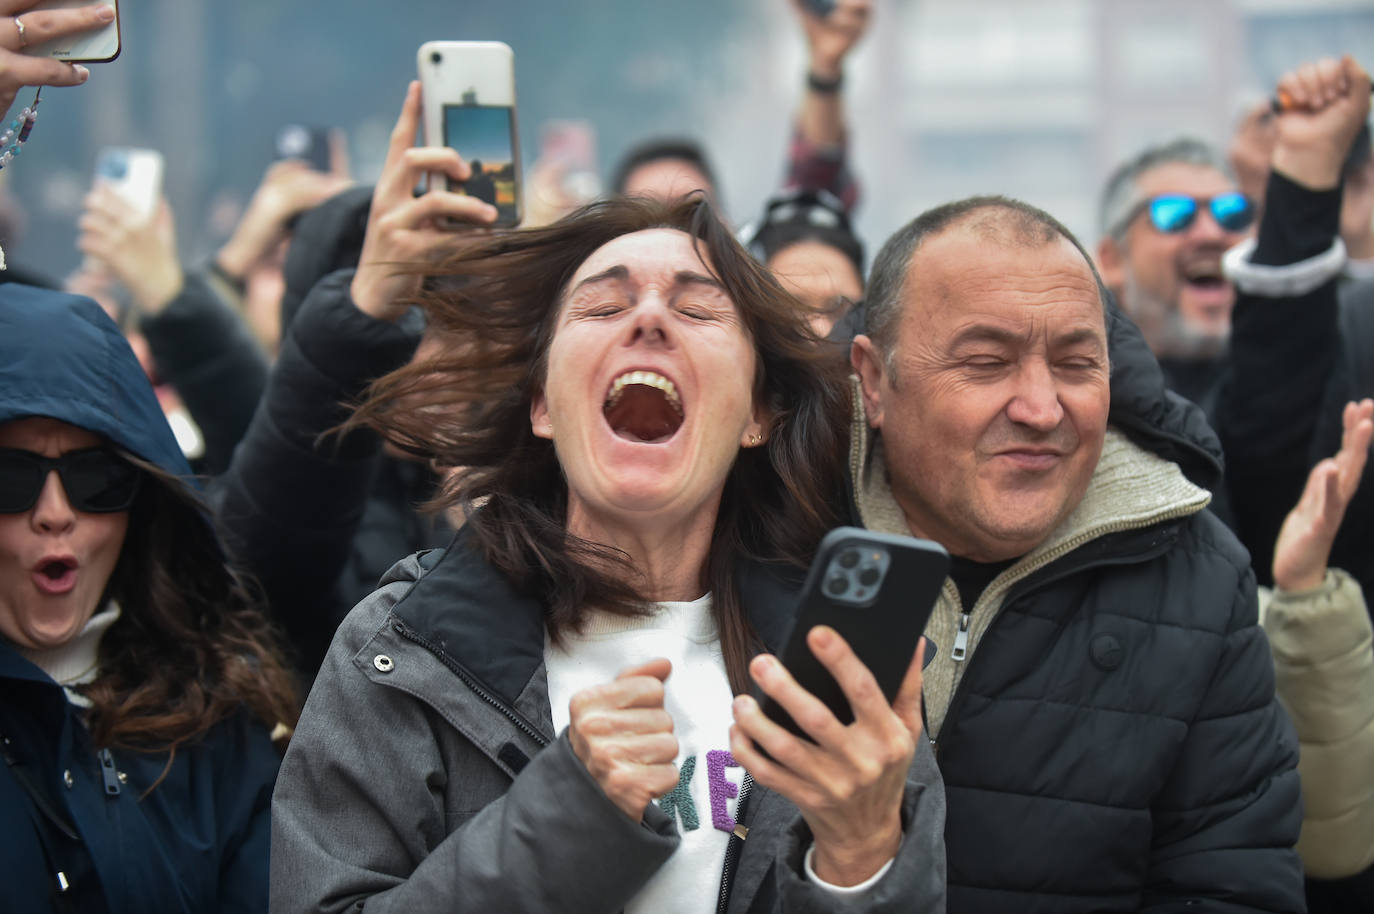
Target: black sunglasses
x=1171, y=213
x=96, y=480
x=818, y=208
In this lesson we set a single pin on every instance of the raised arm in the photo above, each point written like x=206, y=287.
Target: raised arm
x=1285, y=340
x=818, y=157
x=294, y=498
x=1320, y=634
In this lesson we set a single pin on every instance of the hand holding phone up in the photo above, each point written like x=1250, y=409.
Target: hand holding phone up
x=23, y=27
x=405, y=229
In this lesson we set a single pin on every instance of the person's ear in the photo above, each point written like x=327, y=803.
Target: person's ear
x=1111, y=264
x=541, y=423
x=756, y=432
x=871, y=367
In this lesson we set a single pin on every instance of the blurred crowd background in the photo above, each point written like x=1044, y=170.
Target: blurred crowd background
x=1035, y=98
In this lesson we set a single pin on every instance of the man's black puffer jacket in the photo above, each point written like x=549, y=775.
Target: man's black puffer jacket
x=1114, y=743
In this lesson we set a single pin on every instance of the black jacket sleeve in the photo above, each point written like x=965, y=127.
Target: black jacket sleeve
x=203, y=349
x=294, y=496
x=1284, y=355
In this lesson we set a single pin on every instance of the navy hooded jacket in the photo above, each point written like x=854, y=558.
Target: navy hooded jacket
x=71, y=815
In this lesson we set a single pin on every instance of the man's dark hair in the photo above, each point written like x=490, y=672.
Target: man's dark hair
x=659, y=149
x=1007, y=221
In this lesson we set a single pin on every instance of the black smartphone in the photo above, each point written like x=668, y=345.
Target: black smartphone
x=309, y=144
x=877, y=591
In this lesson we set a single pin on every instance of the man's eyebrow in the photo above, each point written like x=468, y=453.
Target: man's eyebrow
x=986, y=333
x=1080, y=336
x=617, y=272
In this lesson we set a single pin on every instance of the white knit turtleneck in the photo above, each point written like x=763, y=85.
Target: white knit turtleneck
x=73, y=663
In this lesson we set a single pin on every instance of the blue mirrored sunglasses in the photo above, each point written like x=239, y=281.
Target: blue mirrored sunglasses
x=1170, y=213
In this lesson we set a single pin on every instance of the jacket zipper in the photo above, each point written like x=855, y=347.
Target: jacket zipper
x=468, y=680
x=960, y=650
x=736, y=845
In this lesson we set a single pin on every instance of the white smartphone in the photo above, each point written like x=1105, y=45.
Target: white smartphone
x=135, y=174
x=99, y=46
x=469, y=105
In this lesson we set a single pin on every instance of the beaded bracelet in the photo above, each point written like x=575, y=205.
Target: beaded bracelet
x=12, y=140
x=17, y=133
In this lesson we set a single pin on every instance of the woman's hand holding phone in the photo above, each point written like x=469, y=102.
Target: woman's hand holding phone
x=403, y=229
x=850, y=782
x=18, y=69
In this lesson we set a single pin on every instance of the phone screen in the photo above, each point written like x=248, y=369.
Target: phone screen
x=484, y=136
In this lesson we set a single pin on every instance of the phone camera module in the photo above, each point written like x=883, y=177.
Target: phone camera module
x=436, y=58
x=854, y=575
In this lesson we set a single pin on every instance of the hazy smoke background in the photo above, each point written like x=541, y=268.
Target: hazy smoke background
x=1036, y=98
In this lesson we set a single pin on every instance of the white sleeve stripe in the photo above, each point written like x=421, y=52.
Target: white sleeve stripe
x=1282, y=281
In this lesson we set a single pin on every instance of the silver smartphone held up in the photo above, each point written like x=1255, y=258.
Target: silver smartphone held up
x=469, y=105
x=101, y=45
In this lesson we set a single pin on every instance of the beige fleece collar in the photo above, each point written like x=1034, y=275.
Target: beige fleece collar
x=1130, y=489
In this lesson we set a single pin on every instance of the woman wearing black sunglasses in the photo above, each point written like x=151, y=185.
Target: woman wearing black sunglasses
x=138, y=682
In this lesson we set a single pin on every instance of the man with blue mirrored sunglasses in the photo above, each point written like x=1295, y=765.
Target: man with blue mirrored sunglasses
x=1167, y=217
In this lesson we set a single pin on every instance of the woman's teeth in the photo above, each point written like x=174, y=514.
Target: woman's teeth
x=648, y=379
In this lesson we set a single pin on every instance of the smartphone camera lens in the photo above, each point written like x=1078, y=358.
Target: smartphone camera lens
x=849, y=558
x=837, y=585
x=436, y=58
x=869, y=576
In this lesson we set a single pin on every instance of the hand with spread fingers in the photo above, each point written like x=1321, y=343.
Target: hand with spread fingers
x=405, y=230
x=624, y=736
x=1304, y=544
x=140, y=251
x=850, y=782
x=1325, y=102
x=21, y=26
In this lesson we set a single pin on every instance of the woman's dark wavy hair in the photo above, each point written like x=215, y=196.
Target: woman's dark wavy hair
x=190, y=647
x=469, y=406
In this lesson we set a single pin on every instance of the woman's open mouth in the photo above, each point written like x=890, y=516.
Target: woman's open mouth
x=643, y=406
x=55, y=576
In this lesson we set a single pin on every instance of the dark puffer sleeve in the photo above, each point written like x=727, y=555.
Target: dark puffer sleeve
x=294, y=496
x=1228, y=816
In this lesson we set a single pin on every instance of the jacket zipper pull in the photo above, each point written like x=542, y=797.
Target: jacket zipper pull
x=960, y=650
x=108, y=772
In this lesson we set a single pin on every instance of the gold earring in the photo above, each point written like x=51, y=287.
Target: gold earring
x=755, y=440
